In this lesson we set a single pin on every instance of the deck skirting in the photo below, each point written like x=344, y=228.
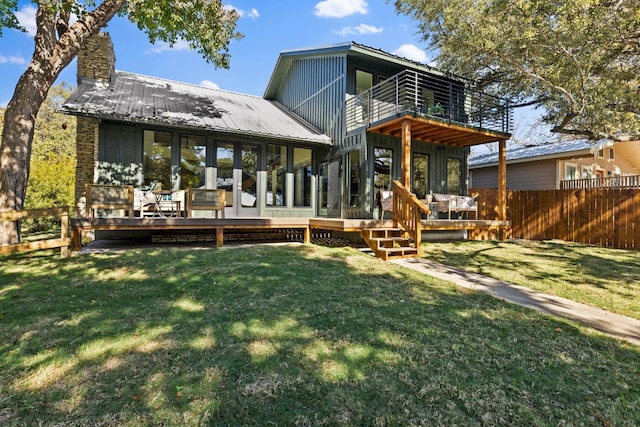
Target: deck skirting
x=217, y=227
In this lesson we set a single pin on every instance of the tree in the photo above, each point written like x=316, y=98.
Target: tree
x=206, y=25
x=579, y=59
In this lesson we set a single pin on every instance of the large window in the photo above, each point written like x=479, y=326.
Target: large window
x=454, y=176
x=157, y=159
x=276, y=175
x=353, y=180
x=193, y=161
x=421, y=175
x=301, y=177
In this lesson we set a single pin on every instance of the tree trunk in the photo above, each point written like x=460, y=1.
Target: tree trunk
x=50, y=57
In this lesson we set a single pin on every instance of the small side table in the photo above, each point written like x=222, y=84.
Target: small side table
x=160, y=201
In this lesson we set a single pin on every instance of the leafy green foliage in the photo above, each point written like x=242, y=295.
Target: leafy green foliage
x=580, y=60
x=206, y=25
x=52, y=176
x=7, y=15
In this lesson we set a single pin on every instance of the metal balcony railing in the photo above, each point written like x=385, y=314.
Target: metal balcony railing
x=629, y=181
x=430, y=96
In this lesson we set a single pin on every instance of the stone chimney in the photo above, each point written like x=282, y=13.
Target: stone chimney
x=96, y=65
x=97, y=60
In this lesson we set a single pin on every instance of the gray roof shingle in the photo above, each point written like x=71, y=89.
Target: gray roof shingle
x=557, y=149
x=143, y=99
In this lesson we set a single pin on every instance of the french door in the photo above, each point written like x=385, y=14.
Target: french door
x=237, y=173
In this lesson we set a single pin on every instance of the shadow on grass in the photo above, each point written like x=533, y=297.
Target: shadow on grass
x=289, y=335
x=602, y=277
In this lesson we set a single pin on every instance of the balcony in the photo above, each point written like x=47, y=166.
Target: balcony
x=629, y=181
x=445, y=111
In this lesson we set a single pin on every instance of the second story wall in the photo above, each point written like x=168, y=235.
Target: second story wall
x=314, y=89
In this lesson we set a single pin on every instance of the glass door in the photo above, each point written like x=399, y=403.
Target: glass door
x=247, y=180
x=382, y=178
x=224, y=177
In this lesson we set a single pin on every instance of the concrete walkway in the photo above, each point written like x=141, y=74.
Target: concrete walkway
x=610, y=323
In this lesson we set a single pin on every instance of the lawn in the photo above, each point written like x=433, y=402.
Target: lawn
x=289, y=335
x=601, y=277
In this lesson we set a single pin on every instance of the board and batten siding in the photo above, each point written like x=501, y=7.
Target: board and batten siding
x=540, y=175
x=314, y=89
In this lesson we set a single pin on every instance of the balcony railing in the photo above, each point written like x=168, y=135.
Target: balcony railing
x=429, y=96
x=630, y=181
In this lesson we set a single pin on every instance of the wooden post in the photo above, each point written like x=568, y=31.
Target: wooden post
x=219, y=237
x=406, y=154
x=64, y=232
x=502, y=185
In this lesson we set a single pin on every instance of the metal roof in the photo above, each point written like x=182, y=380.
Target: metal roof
x=143, y=99
x=286, y=57
x=542, y=151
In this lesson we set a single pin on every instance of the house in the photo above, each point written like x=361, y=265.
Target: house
x=568, y=164
x=336, y=125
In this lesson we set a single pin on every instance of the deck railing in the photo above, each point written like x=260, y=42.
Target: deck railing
x=407, y=212
x=430, y=96
x=631, y=181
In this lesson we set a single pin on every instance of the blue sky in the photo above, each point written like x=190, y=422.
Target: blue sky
x=269, y=27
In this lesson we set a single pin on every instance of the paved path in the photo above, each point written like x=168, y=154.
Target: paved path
x=602, y=320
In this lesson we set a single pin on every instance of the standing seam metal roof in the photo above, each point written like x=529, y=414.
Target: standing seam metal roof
x=143, y=99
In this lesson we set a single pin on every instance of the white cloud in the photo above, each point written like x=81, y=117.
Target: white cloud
x=19, y=60
x=360, y=29
x=209, y=84
x=27, y=18
x=412, y=53
x=340, y=8
x=253, y=13
x=164, y=47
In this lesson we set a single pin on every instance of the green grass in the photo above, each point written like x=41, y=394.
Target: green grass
x=289, y=335
x=601, y=277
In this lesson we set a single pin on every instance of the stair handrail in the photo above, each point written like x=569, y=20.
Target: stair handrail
x=407, y=212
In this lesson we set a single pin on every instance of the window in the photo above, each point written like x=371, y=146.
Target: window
x=611, y=154
x=601, y=153
x=193, y=161
x=301, y=177
x=364, y=81
x=157, y=158
x=276, y=175
x=353, y=180
x=586, y=172
x=383, y=161
x=570, y=171
x=454, y=176
x=420, y=175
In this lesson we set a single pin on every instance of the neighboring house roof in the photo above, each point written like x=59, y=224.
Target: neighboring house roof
x=561, y=149
x=286, y=57
x=143, y=99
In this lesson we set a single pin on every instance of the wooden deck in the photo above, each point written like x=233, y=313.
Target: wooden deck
x=306, y=226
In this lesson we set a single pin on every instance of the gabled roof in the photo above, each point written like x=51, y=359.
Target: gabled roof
x=143, y=99
x=286, y=57
x=555, y=150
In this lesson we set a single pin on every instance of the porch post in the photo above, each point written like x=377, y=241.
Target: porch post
x=502, y=184
x=406, y=154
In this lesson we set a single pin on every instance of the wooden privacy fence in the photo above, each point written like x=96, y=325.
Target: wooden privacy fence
x=63, y=242
x=605, y=217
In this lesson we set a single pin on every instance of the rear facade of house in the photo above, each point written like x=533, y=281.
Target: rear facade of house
x=318, y=144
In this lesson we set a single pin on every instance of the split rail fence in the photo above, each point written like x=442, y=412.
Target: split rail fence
x=604, y=217
x=63, y=242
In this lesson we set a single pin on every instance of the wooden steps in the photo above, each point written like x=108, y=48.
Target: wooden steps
x=389, y=243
